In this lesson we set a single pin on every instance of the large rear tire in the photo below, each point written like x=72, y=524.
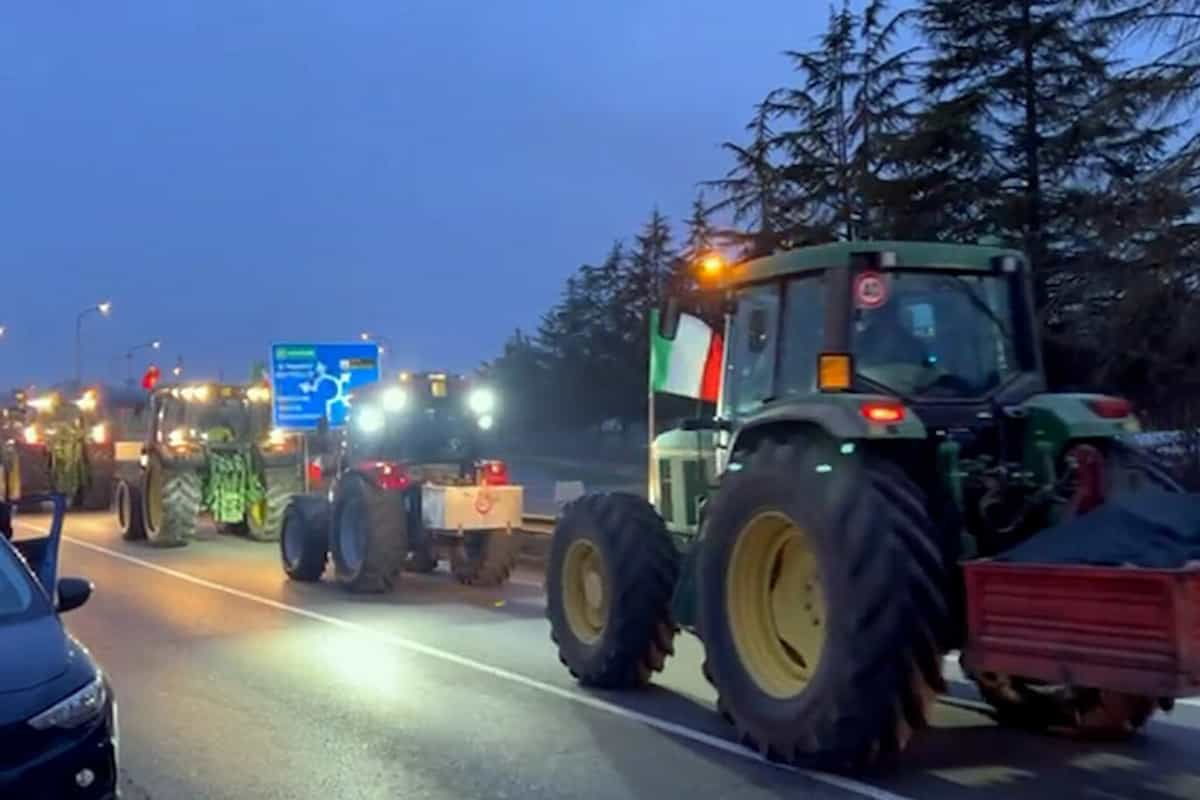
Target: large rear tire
x=304, y=539
x=99, y=492
x=610, y=575
x=128, y=505
x=484, y=558
x=264, y=521
x=171, y=499
x=369, y=536
x=821, y=604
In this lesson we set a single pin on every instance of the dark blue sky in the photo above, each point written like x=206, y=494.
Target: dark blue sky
x=235, y=173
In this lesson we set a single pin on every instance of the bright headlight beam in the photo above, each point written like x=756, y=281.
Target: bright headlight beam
x=369, y=419
x=394, y=399
x=486, y=422
x=482, y=401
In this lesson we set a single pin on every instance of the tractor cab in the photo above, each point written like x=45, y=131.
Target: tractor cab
x=216, y=416
x=430, y=419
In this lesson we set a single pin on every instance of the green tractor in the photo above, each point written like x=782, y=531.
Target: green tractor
x=210, y=448
x=54, y=442
x=883, y=427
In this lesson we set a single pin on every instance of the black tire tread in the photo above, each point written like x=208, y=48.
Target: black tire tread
x=134, y=528
x=387, y=539
x=181, y=499
x=897, y=576
x=280, y=484
x=488, y=561
x=310, y=515
x=639, y=636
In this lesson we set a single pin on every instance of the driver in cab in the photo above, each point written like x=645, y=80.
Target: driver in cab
x=884, y=339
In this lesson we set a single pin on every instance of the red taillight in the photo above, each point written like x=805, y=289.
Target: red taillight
x=883, y=413
x=314, y=472
x=388, y=476
x=1110, y=407
x=492, y=473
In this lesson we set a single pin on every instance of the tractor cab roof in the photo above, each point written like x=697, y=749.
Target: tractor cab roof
x=910, y=255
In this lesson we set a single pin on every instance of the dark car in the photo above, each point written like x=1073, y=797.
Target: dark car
x=58, y=716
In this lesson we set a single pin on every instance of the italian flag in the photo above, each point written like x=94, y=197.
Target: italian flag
x=689, y=363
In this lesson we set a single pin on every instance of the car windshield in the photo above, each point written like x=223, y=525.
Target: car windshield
x=935, y=334
x=18, y=595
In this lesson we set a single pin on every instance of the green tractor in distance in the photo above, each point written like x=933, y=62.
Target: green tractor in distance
x=883, y=424
x=54, y=442
x=209, y=448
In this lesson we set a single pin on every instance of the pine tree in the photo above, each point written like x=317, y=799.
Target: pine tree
x=851, y=97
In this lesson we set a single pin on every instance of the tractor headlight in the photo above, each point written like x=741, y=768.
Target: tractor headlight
x=277, y=437
x=369, y=419
x=31, y=434
x=177, y=437
x=98, y=433
x=71, y=712
x=482, y=401
x=486, y=422
x=394, y=399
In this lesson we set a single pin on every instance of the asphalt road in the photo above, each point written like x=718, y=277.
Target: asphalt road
x=235, y=683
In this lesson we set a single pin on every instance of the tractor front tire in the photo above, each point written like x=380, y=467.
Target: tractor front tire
x=128, y=504
x=170, y=502
x=821, y=587
x=485, y=558
x=264, y=523
x=304, y=539
x=369, y=537
x=610, y=575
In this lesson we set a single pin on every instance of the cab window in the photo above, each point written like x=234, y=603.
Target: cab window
x=750, y=373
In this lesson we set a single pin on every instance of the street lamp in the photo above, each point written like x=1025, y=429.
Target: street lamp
x=380, y=341
x=153, y=345
x=103, y=310
x=177, y=370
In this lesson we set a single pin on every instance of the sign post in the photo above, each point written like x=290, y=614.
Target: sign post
x=311, y=381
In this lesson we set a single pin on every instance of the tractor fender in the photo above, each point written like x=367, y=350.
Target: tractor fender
x=1056, y=420
x=838, y=416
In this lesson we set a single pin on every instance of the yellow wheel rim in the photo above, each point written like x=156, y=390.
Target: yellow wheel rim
x=154, y=486
x=257, y=514
x=775, y=604
x=585, y=591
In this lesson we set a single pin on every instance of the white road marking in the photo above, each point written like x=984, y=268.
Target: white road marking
x=675, y=729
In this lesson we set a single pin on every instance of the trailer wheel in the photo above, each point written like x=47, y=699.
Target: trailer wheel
x=609, y=578
x=304, y=539
x=264, y=519
x=821, y=587
x=369, y=536
x=1084, y=713
x=128, y=503
x=170, y=503
x=484, y=558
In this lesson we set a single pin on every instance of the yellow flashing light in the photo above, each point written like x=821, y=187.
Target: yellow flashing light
x=45, y=403
x=258, y=394
x=834, y=372
x=712, y=265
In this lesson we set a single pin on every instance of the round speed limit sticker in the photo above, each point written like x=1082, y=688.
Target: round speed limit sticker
x=870, y=290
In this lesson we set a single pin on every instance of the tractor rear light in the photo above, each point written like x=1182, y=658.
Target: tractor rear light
x=883, y=413
x=492, y=473
x=1110, y=407
x=388, y=476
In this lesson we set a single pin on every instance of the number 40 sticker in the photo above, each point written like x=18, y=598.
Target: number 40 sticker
x=870, y=289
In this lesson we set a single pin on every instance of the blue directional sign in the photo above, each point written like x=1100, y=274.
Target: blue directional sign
x=310, y=381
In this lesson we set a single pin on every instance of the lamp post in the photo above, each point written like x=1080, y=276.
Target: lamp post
x=153, y=345
x=380, y=342
x=103, y=310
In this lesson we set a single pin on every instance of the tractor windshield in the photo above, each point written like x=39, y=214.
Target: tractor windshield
x=937, y=334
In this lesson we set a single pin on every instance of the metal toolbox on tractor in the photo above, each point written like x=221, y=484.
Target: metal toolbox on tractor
x=472, y=508
x=1126, y=629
